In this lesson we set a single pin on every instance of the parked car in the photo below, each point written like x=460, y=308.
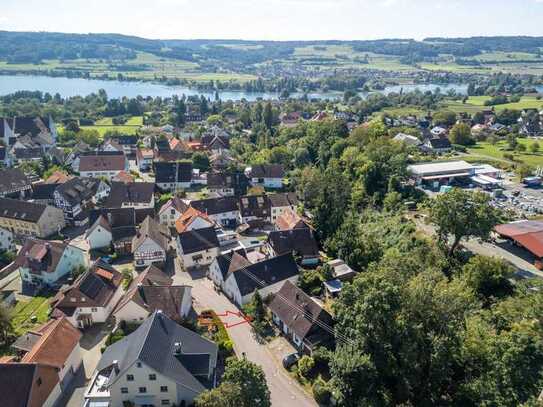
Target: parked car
x=107, y=259
x=290, y=360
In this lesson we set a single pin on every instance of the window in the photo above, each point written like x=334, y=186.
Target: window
x=163, y=389
x=142, y=389
x=165, y=402
x=124, y=390
x=94, y=309
x=129, y=377
x=138, y=364
x=152, y=376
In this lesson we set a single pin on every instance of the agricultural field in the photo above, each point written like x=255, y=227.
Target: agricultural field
x=23, y=312
x=497, y=151
x=477, y=103
x=104, y=125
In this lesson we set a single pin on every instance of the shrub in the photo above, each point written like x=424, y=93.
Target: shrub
x=305, y=365
x=321, y=391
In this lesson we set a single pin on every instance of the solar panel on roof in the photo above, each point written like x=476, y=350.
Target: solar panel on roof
x=91, y=286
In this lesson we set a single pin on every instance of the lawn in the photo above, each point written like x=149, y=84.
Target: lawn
x=23, y=312
x=498, y=150
x=123, y=129
x=477, y=103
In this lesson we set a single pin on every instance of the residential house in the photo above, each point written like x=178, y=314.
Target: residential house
x=171, y=211
x=6, y=240
x=132, y=195
x=128, y=144
x=151, y=244
x=266, y=175
x=301, y=319
x=300, y=242
x=341, y=272
x=100, y=234
x=193, y=219
x=223, y=211
x=254, y=207
x=438, y=132
x=225, y=263
x=77, y=196
x=14, y=183
x=159, y=364
x=58, y=177
x=409, y=140
x=123, y=177
x=43, y=193
x=91, y=298
x=106, y=166
x=48, y=263
x=30, y=219
x=144, y=158
x=111, y=146
x=150, y=291
x=227, y=183
x=215, y=143
x=436, y=145
x=221, y=160
x=173, y=176
x=56, y=344
x=266, y=277
x=198, y=247
x=280, y=203
x=289, y=220
x=290, y=119
x=73, y=159
x=29, y=385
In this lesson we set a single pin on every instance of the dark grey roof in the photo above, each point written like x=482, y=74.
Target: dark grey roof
x=440, y=143
x=43, y=192
x=149, y=228
x=267, y=171
x=198, y=239
x=173, y=172
x=255, y=205
x=134, y=192
x=126, y=140
x=154, y=343
x=299, y=240
x=264, y=273
x=231, y=261
x=235, y=180
x=28, y=153
x=12, y=179
x=78, y=189
x=283, y=199
x=214, y=206
x=32, y=125
x=22, y=210
x=26, y=384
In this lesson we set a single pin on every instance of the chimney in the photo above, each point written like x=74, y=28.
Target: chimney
x=177, y=349
x=115, y=365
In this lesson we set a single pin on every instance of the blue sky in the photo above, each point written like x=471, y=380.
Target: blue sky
x=277, y=19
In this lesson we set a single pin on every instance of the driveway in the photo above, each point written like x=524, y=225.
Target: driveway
x=285, y=391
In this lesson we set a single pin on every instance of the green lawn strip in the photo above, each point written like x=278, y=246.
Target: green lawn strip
x=104, y=129
x=23, y=312
x=499, y=149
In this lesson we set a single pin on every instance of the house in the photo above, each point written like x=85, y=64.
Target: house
x=300, y=242
x=198, y=247
x=280, y=203
x=159, y=364
x=41, y=131
x=171, y=211
x=301, y=319
x=193, y=219
x=6, y=240
x=78, y=150
x=289, y=220
x=127, y=143
x=215, y=143
x=56, y=344
x=91, y=298
x=223, y=211
x=266, y=277
x=408, y=139
x=225, y=263
x=254, y=207
x=30, y=219
x=173, y=176
x=266, y=175
x=132, y=195
x=29, y=384
x=341, y=272
x=58, y=177
x=47, y=263
x=77, y=196
x=438, y=131
x=221, y=160
x=151, y=244
x=290, y=119
x=144, y=158
x=106, y=166
x=100, y=234
x=227, y=184
x=14, y=184
x=436, y=145
x=150, y=291
x=112, y=146
x=43, y=193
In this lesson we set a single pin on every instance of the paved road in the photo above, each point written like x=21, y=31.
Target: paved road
x=285, y=391
x=516, y=256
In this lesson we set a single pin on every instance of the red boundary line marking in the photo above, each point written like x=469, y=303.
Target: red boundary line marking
x=246, y=319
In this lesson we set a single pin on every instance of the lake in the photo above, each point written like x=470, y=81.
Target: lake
x=67, y=87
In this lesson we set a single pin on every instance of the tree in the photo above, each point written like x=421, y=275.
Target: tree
x=460, y=214
x=222, y=396
x=251, y=380
x=444, y=118
x=201, y=161
x=523, y=171
x=478, y=118
x=488, y=277
x=258, y=307
x=268, y=116
x=305, y=365
x=534, y=147
x=6, y=329
x=461, y=134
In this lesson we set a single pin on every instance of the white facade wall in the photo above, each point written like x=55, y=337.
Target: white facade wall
x=99, y=314
x=232, y=291
x=225, y=217
x=215, y=273
x=6, y=240
x=198, y=259
x=148, y=246
x=275, y=183
x=131, y=312
x=109, y=174
x=51, y=221
x=169, y=216
x=186, y=304
x=53, y=396
x=99, y=238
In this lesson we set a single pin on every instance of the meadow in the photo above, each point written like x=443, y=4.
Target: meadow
x=497, y=151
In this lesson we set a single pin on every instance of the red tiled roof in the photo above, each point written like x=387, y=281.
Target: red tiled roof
x=528, y=234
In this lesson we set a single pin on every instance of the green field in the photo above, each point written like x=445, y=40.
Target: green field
x=104, y=125
x=477, y=103
x=484, y=149
x=23, y=312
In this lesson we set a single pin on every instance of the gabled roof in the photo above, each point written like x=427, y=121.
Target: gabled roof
x=57, y=340
x=41, y=256
x=289, y=219
x=214, y=206
x=176, y=203
x=152, y=230
x=114, y=162
x=94, y=288
x=439, y=142
x=26, y=384
x=255, y=205
x=295, y=240
x=12, y=179
x=194, y=241
x=267, y=171
x=21, y=210
x=161, y=344
x=264, y=273
x=58, y=177
x=283, y=199
x=135, y=192
x=78, y=189
x=43, y=192
x=231, y=261
x=188, y=217
x=32, y=126
x=173, y=172
x=299, y=312
x=235, y=180
x=100, y=222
